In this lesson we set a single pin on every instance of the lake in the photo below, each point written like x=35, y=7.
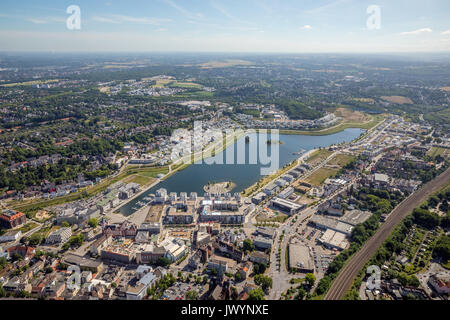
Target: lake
x=196, y=176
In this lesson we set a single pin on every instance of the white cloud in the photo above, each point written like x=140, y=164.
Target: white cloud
x=306, y=27
x=121, y=18
x=36, y=21
x=45, y=20
x=221, y=9
x=182, y=10
x=419, y=31
x=445, y=32
x=327, y=7
x=104, y=20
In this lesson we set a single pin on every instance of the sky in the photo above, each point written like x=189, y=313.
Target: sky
x=290, y=26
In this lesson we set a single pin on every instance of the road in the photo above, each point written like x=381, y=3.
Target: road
x=345, y=278
x=281, y=277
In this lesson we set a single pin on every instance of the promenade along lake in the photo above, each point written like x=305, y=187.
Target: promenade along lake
x=196, y=176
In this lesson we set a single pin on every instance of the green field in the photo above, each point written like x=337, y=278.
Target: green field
x=341, y=160
x=435, y=151
x=319, y=176
x=338, y=128
x=319, y=156
x=28, y=83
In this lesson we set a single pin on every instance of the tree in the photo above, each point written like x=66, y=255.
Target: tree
x=264, y=281
x=238, y=276
x=259, y=268
x=163, y=262
x=93, y=222
x=442, y=248
x=248, y=245
x=192, y=295
x=36, y=239
x=310, y=279
x=256, y=295
x=2, y=292
x=324, y=285
x=301, y=293
x=426, y=218
x=3, y=262
x=65, y=224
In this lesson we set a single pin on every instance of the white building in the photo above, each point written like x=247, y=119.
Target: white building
x=59, y=236
x=11, y=236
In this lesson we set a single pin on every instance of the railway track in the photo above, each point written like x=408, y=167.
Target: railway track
x=344, y=280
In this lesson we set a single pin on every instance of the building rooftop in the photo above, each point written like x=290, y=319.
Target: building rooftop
x=355, y=217
x=299, y=257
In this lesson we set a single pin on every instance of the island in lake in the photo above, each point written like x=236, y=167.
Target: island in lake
x=270, y=142
x=219, y=188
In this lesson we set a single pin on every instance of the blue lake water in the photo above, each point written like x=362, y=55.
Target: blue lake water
x=196, y=176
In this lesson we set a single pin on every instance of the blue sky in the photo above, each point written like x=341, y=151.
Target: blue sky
x=226, y=25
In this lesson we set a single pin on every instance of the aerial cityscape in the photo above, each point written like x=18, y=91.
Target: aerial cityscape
x=181, y=174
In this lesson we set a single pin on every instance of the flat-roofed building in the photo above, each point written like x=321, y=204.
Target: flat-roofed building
x=355, y=217
x=288, y=178
x=225, y=212
x=61, y=235
x=11, y=236
x=149, y=253
x=263, y=243
x=269, y=233
x=85, y=264
x=118, y=253
x=325, y=223
x=160, y=196
x=259, y=257
x=281, y=182
x=99, y=244
x=286, y=193
x=271, y=189
x=287, y=206
x=334, y=240
x=300, y=258
x=151, y=227
x=220, y=264
x=175, y=250
x=180, y=213
x=257, y=199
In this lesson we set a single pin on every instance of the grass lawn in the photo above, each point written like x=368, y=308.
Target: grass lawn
x=446, y=265
x=341, y=160
x=435, y=151
x=319, y=176
x=250, y=190
x=27, y=227
x=152, y=172
x=280, y=217
x=186, y=85
x=319, y=156
x=139, y=179
x=344, y=124
x=28, y=83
